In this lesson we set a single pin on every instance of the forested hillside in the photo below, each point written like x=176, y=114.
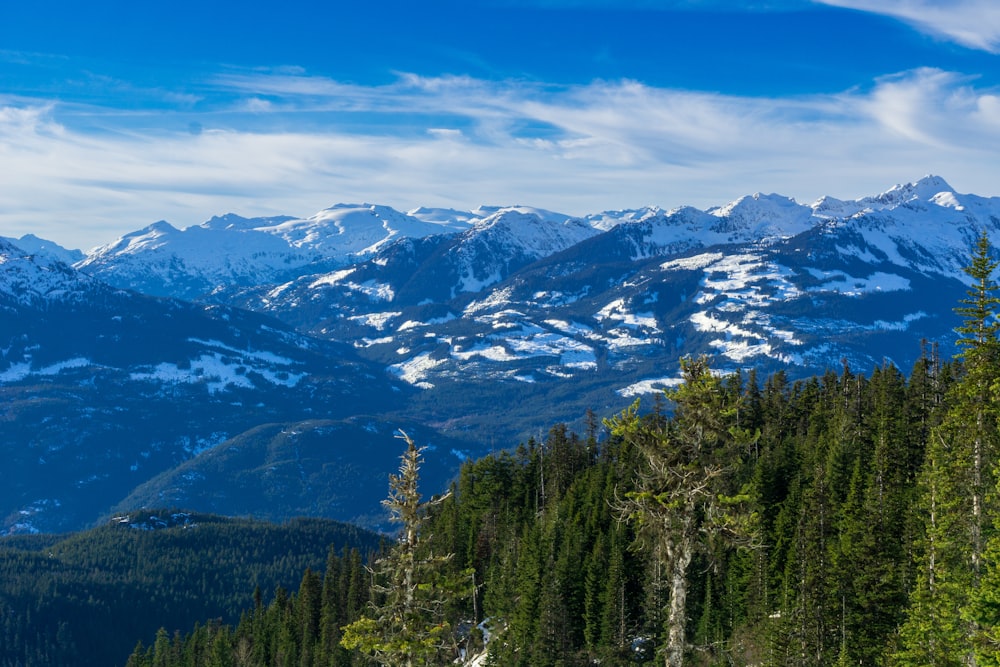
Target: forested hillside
x=85, y=599
x=821, y=565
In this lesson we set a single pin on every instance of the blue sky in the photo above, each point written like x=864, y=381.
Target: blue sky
x=116, y=114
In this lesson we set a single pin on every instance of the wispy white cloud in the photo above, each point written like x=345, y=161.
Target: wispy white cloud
x=293, y=144
x=925, y=105
x=972, y=23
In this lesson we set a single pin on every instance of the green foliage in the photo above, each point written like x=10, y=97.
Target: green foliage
x=405, y=624
x=686, y=502
x=950, y=618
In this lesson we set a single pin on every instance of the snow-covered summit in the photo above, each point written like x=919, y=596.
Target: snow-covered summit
x=150, y=237
x=33, y=245
x=490, y=212
x=831, y=208
x=762, y=217
x=450, y=218
x=606, y=220
x=161, y=259
x=918, y=195
x=27, y=278
x=513, y=236
x=925, y=225
x=232, y=221
x=347, y=230
x=231, y=250
x=922, y=190
x=535, y=232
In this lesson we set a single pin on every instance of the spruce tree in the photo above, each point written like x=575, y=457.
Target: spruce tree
x=406, y=627
x=684, y=498
x=983, y=359
x=945, y=622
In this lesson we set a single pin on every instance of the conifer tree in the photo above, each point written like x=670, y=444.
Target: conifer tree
x=944, y=623
x=684, y=498
x=407, y=626
x=983, y=354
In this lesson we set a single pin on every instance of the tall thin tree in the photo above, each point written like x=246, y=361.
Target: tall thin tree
x=407, y=627
x=684, y=499
x=943, y=626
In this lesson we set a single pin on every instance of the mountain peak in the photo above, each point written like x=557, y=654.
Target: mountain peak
x=763, y=216
x=932, y=185
x=923, y=190
x=236, y=222
x=755, y=204
x=34, y=245
x=160, y=227
x=227, y=221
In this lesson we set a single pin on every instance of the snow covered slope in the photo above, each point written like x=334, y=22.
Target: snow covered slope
x=429, y=269
x=348, y=231
x=28, y=278
x=508, y=238
x=924, y=225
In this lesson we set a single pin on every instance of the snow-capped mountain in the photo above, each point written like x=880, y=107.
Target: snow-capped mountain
x=924, y=225
x=165, y=261
x=510, y=238
x=27, y=278
x=33, y=245
x=761, y=282
x=752, y=219
x=535, y=295
x=231, y=250
x=348, y=231
x=428, y=269
x=487, y=325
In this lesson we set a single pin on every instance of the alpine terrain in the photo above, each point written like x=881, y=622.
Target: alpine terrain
x=260, y=366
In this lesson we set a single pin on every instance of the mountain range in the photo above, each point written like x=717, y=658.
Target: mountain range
x=260, y=366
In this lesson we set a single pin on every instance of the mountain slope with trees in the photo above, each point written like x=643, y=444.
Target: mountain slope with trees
x=803, y=554
x=84, y=599
x=841, y=519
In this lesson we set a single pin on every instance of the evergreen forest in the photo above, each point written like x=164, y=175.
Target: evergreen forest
x=844, y=519
x=83, y=599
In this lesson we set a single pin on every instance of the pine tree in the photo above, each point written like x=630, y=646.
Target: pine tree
x=944, y=623
x=873, y=527
x=976, y=391
x=407, y=626
x=308, y=607
x=982, y=359
x=684, y=498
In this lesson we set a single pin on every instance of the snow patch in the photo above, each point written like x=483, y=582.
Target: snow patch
x=653, y=386
x=378, y=321
x=21, y=370
x=217, y=372
x=333, y=278
x=415, y=370
x=834, y=281
x=692, y=263
x=496, y=299
x=617, y=311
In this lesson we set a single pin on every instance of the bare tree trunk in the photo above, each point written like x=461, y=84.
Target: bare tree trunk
x=680, y=555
